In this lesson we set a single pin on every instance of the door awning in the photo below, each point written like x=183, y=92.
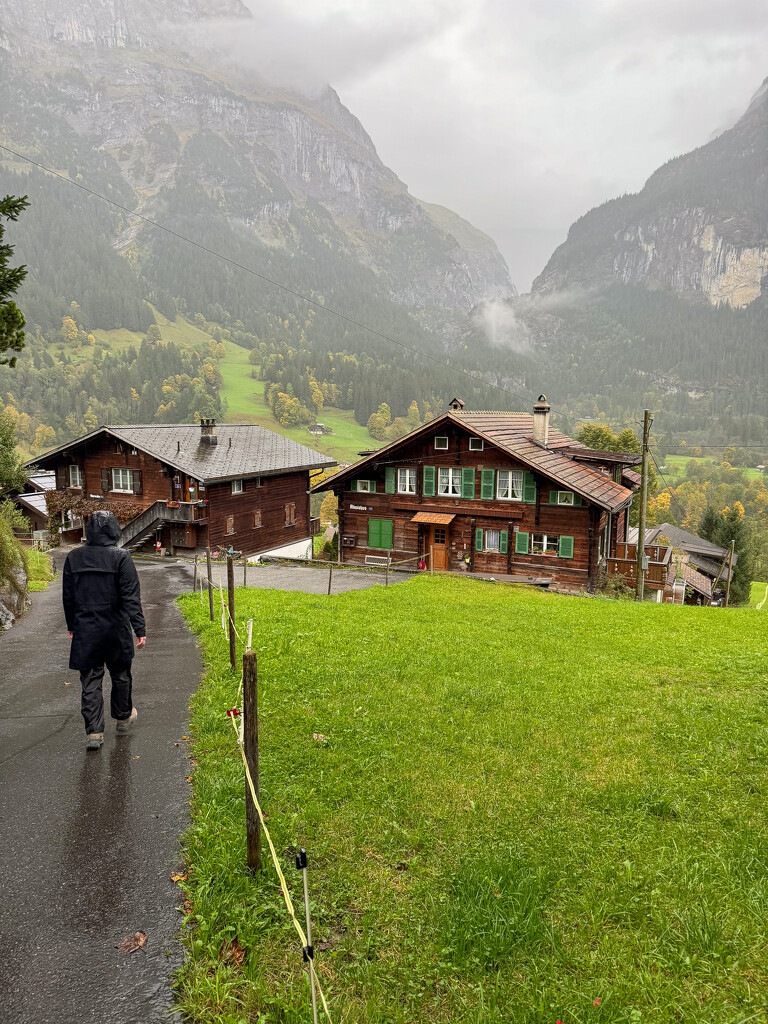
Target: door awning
x=434, y=518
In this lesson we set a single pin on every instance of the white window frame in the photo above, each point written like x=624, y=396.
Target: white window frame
x=568, y=496
x=489, y=546
x=441, y=447
x=452, y=477
x=117, y=475
x=364, y=486
x=509, y=474
x=549, y=543
x=237, y=486
x=75, y=476
x=406, y=480
x=476, y=444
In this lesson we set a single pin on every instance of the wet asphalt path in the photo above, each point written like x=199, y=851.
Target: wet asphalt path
x=307, y=579
x=88, y=842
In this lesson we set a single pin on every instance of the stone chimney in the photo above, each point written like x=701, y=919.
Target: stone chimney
x=208, y=432
x=541, y=421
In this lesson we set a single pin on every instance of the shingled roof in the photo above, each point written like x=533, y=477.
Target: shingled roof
x=242, y=450
x=512, y=431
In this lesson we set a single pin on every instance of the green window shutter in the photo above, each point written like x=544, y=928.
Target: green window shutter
x=387, y=532
x=429, y=482
x=486, y=484
x=521, y=543
x=371, y=486
x=576, y=499
x=478, y=540
x=353, y=485
x=529, y=487
x=468, y=482
x=374, y=533
x=389, y=480
x=565, y=547
x=503, y=541
x=552, y=496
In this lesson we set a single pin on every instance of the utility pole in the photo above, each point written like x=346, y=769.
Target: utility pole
x=730, y=570
x=641, y=559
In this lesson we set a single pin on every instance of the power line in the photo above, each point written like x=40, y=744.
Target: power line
x=680, y=510
x=262, y=277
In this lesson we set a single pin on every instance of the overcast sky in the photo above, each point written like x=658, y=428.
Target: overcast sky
x=521, y=115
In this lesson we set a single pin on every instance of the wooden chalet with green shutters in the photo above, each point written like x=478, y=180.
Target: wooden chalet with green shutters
x=487, y=492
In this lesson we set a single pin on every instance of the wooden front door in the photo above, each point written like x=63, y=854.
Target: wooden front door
x=438, y=540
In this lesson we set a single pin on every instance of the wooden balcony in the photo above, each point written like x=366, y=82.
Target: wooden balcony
x=625, y=562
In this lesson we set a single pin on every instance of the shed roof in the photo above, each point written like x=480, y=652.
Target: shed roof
x=243, y=450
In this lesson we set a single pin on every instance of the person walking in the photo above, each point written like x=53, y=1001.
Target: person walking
x=102, y=601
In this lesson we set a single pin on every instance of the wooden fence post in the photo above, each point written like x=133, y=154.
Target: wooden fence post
x=210, y=583
x=245, y=571
x=231, y=610
x=194, y=578
x=251, y=747
x=330, y=577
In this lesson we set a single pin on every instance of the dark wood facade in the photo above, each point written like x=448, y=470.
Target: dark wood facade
x=250, y=514
x=545, y=531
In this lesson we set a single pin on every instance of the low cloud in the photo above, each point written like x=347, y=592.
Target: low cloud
x=501, y=326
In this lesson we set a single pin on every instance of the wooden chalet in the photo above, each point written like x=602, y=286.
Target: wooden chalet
x=236, y=486
x=487, y=492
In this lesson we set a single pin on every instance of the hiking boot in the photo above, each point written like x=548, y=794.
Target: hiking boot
x=94, y=741
x=126, y=725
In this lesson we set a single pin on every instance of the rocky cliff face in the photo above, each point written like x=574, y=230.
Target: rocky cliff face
x=699, y=225
x=108, y=76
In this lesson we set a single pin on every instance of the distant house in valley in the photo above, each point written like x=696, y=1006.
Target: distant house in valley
x=185, y=486
x=696, y=561
x=487, y=492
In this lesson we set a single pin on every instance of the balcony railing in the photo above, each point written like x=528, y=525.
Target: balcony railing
x=625, y=562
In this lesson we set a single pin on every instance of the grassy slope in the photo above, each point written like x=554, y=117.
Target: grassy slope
x=525, y=803
x=245, y=396
x=675, y=466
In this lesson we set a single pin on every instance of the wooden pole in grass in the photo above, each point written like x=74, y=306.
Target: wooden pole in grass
x=330, y=577
x=251, y=747
x=245, y=571
x=641, y=563
x=194, y=578
x=730, y=569
x=210, y=584
x=231, y=610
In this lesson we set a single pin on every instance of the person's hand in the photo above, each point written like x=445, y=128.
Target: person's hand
x=141, y=641
x=69, y=633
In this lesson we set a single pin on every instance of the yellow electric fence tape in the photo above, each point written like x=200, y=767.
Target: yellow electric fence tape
x=280, y=875
x=283, y=884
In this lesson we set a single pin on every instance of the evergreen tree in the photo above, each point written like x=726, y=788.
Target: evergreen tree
x=11, y=318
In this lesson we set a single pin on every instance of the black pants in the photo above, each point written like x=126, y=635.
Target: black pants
x=92, y=705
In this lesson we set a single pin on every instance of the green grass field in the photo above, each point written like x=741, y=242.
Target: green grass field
x=559, y=815
x=757, y=592
x=675, y=466
x=40, y=570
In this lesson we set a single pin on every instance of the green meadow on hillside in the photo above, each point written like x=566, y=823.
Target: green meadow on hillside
x=520, y=807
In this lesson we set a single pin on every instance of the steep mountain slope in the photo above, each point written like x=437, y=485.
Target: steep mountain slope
x=103, y=90
x=700, y=224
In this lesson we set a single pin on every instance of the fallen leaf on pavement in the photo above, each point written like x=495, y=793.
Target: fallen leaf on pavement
x=67, y=684
x=133, y=942
x=136, y=757
x=178, y=878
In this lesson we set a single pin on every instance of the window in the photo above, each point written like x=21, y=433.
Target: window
x=229, y=525
x=476, y=444
x=290, y=514
x=441, y=444
x=257, y=518
x=122, y=480
x=380, y=532
x=406, y=481
x=75, y=476
x=237, y=486
x=439, y=535
x=543, y=544
x=449, y=481
x=509, y=484
x=565, y=497
x=492, y=540
x=367, y=486
x=495, y=541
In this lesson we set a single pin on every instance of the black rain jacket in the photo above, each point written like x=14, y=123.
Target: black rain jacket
x=102, y=598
